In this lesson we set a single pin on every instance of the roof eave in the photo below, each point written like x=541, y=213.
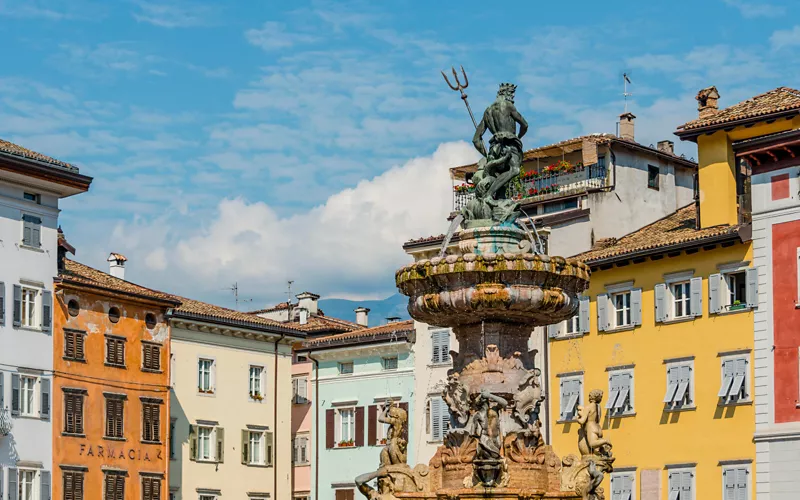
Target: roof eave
x=656, y=152
x=321, y=344
x=177, y=314
x=66, y=282
x=48, y=171
x=692, y=133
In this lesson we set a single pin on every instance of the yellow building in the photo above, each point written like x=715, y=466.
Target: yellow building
x=666, y=329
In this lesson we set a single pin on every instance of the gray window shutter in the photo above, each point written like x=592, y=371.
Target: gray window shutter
x=583, y=315
x=627, y=487
x=47, y=310
x=616, y=488
x=2, y=303
x=13, y=491
x=602, y=312
x=552, y=330
x=2, y=405
x=15, y=394
x=436, y=419
x=245, y=443
x=636, y=306
x=661, y=305
x=696, y=290
x=714, y=295
x=741, y=484
x=44, y=484
x=44, y=400
x=220, y=432
x=17, y=305
x=27, y=237
x=192, y=442
x=727, y=378
x=687, y=493
x=436, y=348
x=730, y=485
x=36, y=234
x=751, y=276
x=268, y=448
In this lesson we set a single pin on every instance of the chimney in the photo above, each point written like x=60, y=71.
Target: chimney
x=303, y=313
x=393, y=319
x=116, y=265
x=666, y=147
x=626, y=121
x=63, y=248
x=707, y=102
x=308, y=301
x=362, y=316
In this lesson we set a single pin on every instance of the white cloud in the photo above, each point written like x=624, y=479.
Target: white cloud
x=351, y=244
x=172, y=14
x=273, y=36
x=781, y=39
x=752, y=10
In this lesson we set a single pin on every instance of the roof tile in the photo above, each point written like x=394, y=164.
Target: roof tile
x=81, y=274
x=14, y=149
x=774, y=101
x=363, y=334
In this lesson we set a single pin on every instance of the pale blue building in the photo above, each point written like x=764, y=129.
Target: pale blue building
x=355, y=373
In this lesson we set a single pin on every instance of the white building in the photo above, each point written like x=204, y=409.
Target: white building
x=31, y=185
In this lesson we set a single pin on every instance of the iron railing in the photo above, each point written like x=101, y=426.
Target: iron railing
x=548, y=186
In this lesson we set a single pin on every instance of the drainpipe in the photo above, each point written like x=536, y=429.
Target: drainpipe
x=316, y=425
x=275, y=420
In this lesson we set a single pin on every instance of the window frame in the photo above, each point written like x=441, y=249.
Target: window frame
x=79, y=337
x=728, y=301
x=210, y=390
x=747, y=467
x=685, y=300
x=682, y=470
x=653, y=183
x=343, y=371
x=34, y=306
x=626, y=308
x=144, y=477
x=631, y=406
x=155, y=355
x=339, y=427
x=300, y=442
x=691, y=404
x=746, y=380
x=120, y=399
x=120, y=343
x=31, y=222
x=258, y=448
x=35, y=483
x=573, y=415
x=120, y=476
x=297, y=397
x=385, y=363
x=77, y=493
x=153, y=428
x=35, y=395
x=254, y=395
x=621, y=476
x=212, y=447
x=79, y=396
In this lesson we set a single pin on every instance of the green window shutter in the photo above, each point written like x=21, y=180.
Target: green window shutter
x=245, y=443
x=268, y=441
x=220, y=432
x=47, y=310
x=17, y=305
x=13, y=490
x=192, y=442
x=44, y=400
x=44, y=484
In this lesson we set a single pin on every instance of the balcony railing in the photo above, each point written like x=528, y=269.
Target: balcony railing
x=545, y=186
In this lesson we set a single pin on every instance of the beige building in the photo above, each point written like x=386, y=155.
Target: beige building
x=231, y=405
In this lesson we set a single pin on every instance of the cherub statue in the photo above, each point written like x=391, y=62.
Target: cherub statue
x=395, y=450
x=590, y=434
x=457, y=399
x=486, y=426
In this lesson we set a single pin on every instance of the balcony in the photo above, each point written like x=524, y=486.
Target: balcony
x=555, y=181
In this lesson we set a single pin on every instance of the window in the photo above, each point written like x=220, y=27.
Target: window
x=73, y=308
x=300, y=450
x=115, y=351
x=733, y=290
x=652, y=177
x=73, y=413
x=345, y=495
x=735, y=381
x=29, y=296
x=573, y=325
x=621, y=303
x=346, y=368
x=27, y=395
x=558, y=206
x=681, y=299
x=299, y=390
x=205, y=450
x=151, y=488
x=114, y=314
x=205, y=378
x=571, y=397
x=622, y=486
x=256, y=447
x=439, y=417
x=36, y=198
x=26, y=484
x=150, y=321
x=73, y=345
x=620, y=392
x=255, y=382
x=681, y=485
x=390, y=363
x=31, y=231
x=114, y=487
x=440, y=342
x=73, y=485
x=680, y=386
x=255, y=457
x=735, y=483
x=115, y=410
x=601, y=161
x=347, y=427
x=151, y=357
x=208, y=497
x=151, y=421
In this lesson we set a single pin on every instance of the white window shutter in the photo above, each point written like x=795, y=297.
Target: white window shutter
x=44, y=485
x=696, y=304
x=583, y=315
x=730, y=485
x=687, y=491
x=602, y=312
x=741, y=484
x=47, y=310
x=714, y=293
x=636, y=306
x=661, y=302
x=727, y=378
x=751, y=276
x=616, y=488
x=17, y=305
x=553, y=330
x=436, y=419
x=2, y=306
x=627, y=487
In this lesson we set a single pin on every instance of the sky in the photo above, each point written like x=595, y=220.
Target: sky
x=256, y=142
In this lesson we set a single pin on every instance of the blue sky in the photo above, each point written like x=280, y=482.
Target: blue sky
x=264, y=141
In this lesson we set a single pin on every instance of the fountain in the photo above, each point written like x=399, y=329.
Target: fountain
x=492, y=291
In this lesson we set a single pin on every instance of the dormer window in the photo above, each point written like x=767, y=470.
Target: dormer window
x=33, y=197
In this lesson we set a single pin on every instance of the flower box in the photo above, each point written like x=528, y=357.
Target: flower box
x=346, y=444
x=737, y=306
x=256, y=397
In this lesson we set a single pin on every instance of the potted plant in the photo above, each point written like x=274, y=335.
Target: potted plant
x=383, y=441
x=736, y=306
x=256, y=396
x=347, y=443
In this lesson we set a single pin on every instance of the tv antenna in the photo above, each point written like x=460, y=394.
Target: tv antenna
x=626, y=80
x=235, y=290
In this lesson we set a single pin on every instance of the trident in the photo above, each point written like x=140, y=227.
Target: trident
x=460, y=88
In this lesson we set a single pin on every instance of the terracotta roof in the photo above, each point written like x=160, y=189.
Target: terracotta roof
x=774, y=101
x=318, y=324
x=364, y=335
x=276, y=307
x=80, y=274
x=676, y=229
x=217, y=313
x=11, y=148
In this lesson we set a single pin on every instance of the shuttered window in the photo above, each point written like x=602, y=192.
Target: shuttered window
x=734, y=380
x=439, y=418
x=2, y=303
x=115, y=351
x=114, y=486
x=735, y=481
x=73, y=485
x=620, y=392
x=680, y=390
x=151, y=488
x=73, y=413
x=151, y=422
x=115, y=407
x=31, y=231
x=151, y=357
x=681, y=485
x=570, y=398
x=74, y=345
x=440, y=342
x=622, y=487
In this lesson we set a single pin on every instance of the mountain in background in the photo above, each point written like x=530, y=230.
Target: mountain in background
x=394, y=305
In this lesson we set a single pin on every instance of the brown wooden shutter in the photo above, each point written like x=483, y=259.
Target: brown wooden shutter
x=147, y=491
x=146, y=355
x=109, y=417
x=69, y=348
x=330, y=437
x=120, y=490
x=119, y=411
x=372, y=425
x=69, y=413
x=69, y=486
x=110, y=356
x=359, y=426
x=341, y=494
x=78, y=482
x=120, y=352
x=156, y=489
x=405, y=429
x=156, y=357
x=79, y=352
x=79, y=414
x=350, y=495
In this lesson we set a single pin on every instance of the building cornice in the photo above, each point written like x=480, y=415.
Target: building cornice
x=224, y=330
x=359, y=351
x=365, y=376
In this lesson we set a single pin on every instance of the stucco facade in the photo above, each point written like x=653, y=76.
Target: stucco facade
x=302, y=431
x=230, y=407
x=31, y=186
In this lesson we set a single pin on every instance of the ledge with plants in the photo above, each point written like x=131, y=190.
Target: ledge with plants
x=346, y=444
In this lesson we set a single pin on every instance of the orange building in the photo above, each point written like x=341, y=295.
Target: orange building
x=110, y=386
